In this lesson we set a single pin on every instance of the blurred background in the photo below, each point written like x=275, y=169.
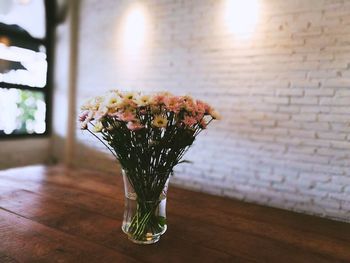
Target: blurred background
x=278, y=71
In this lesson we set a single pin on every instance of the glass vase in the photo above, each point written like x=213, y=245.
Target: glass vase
x=144, y=219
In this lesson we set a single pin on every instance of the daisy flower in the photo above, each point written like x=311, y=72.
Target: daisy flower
x=98, y=127
x=143, y=100
x=113, y=101
x=130, y=95
x=159, y=121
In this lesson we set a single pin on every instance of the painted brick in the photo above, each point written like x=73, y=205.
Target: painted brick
x=304, y=100
x=283, y=92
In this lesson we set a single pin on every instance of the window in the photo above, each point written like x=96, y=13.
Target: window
x=25, y=67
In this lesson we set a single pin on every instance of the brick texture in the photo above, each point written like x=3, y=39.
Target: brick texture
x=283, y=92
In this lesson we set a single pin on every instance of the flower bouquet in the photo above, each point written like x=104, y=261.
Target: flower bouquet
x=148, y=135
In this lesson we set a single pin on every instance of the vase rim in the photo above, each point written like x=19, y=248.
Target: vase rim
x=170, y=171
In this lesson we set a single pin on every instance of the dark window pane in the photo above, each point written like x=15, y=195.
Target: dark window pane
x=19, y=65
x=24, y=15
x=22, y=111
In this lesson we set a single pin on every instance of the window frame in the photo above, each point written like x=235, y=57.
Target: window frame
x=48, y=42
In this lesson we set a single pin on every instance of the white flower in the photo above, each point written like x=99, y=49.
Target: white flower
x=143, y=100
x=98, y=127
x=113, y=101
x=102, y=111
x=130, y=96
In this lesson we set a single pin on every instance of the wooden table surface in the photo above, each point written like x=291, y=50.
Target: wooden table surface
x=55, y=214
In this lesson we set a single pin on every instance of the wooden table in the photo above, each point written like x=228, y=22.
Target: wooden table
x=55, y=214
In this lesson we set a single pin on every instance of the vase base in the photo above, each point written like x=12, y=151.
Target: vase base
x=146, y=241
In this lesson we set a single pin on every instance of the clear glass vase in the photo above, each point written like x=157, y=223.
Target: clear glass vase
x=144, y=220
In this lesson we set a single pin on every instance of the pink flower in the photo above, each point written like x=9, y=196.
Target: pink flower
x=83, y=115
x=202, y=107
x=160, y=99
x=84, y=118
x=189, y=121
x=173, y=104
x=134, y=125
x=199, y=116
x=203, y=124
x=188, y=104
x=126, y=116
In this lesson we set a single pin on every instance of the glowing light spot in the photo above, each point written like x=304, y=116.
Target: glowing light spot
x=133, y=41
x=134, y=29
x=241, y=16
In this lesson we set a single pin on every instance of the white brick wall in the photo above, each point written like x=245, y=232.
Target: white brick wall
x=284, y=94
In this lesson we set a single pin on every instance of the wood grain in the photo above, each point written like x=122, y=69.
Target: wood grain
x=26, y=241
x=55, y=214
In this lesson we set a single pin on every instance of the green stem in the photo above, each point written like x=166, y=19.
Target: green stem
x=144, y=220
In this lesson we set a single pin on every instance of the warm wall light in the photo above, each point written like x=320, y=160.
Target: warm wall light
x=134, y=29
x=23, y=2
x=133, y=41
x=241, y=16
